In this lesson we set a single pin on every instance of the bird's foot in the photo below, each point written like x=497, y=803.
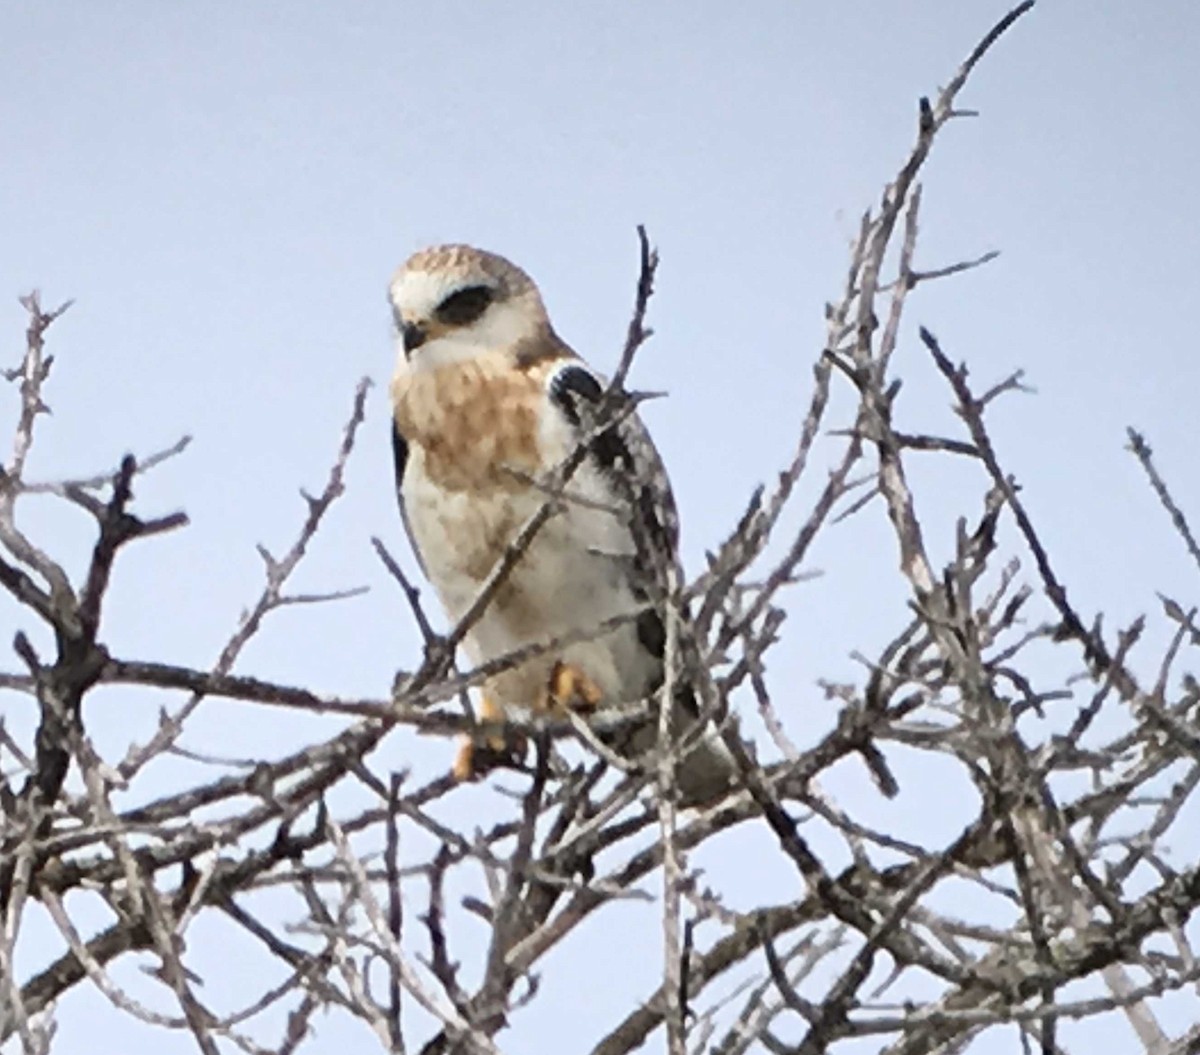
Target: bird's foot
x=570, y=688
x=475, y=759
x=477, y=756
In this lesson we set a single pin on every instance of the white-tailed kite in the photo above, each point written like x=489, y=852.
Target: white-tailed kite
x=487, y=400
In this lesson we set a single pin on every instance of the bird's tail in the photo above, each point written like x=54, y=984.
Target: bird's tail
x=704, y=773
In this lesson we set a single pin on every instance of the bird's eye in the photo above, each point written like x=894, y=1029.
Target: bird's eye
x=465, y=306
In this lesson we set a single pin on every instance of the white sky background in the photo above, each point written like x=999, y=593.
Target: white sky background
x=226, y=188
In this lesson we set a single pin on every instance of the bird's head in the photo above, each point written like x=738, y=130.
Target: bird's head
x=454, y=302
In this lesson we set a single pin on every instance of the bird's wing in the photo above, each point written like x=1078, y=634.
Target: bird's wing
x=400, y=457
x=626, y=458
x=630, y=464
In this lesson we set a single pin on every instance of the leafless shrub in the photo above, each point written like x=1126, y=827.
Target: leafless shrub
x=1060, y=900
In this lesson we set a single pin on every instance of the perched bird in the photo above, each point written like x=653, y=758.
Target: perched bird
x=487, y=400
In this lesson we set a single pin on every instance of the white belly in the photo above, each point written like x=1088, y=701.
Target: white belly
x=574, y=576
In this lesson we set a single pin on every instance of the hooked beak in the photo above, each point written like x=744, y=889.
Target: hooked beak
x=414, y=337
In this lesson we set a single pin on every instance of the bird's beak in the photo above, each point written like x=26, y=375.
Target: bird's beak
x=414, y=336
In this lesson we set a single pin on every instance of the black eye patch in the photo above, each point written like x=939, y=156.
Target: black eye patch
x=464, y=306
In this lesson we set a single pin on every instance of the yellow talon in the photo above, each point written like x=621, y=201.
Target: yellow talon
x=464, y=761
x=571, y=688
x=567, y=688
x=473, y=759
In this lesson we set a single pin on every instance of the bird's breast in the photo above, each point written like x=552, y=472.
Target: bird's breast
x=474, y=450
x=480, y=434
x=475, y=421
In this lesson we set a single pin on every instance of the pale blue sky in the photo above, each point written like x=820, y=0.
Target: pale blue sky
x=224, y=188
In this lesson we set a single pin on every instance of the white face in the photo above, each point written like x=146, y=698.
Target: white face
x=417, y=296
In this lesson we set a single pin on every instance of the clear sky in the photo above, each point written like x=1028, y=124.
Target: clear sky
x=225, y=188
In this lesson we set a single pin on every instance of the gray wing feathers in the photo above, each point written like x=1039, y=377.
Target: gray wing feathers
x=626, y=455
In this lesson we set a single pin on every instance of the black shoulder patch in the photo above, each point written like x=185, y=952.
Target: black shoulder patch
x=652, y=635
x=573, y=384
x=571, y=390
x=400, y=456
